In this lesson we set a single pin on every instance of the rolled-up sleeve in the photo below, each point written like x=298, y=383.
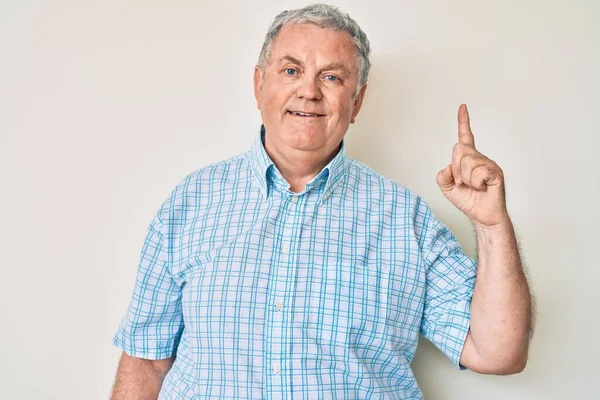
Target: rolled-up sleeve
x=153, y=323
x=450, y=278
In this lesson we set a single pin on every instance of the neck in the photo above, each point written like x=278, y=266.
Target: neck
x=299, y=167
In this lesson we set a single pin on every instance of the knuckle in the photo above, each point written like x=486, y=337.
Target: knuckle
x=464, y=161
x=459, y=147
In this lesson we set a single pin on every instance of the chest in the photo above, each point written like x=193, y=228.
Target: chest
x=327, y=273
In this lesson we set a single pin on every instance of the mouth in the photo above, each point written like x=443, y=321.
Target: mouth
x=304, y=114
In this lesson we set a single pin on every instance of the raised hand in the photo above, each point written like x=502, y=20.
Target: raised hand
x=473, y=182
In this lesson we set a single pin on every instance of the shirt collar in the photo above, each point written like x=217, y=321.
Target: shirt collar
x=262, y=164
x=260, y=161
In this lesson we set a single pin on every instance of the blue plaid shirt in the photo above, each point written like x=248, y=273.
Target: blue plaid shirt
x=263, y=293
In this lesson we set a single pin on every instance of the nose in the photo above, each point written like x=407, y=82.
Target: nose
x=308, y=88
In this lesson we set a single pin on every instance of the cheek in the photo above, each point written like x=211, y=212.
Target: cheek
x=270, y=104
x=343, y=110
x=276, y=99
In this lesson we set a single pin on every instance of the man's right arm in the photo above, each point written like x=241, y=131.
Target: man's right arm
x=140, y=379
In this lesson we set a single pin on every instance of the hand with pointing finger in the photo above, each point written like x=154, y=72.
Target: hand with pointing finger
x=473, y=182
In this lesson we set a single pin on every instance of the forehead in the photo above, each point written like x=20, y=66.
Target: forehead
x=312, y=44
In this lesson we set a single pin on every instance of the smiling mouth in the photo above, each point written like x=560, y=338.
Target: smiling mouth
x=303, y=114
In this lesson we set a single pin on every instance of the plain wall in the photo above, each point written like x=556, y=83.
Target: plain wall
x=106, y=105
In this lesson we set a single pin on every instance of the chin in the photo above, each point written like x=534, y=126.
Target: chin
x=306, y=139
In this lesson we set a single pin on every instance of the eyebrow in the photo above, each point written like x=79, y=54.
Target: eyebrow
x=331, y=66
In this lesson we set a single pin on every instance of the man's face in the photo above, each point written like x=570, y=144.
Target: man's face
x=306, y=94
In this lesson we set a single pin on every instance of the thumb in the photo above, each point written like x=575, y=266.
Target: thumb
x=444, y=178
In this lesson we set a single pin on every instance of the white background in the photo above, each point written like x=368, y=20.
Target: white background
x=106, y=105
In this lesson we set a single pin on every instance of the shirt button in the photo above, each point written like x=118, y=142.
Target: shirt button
x=276, y=367
x=285, y=249
x=294, y=199
x=279, y=305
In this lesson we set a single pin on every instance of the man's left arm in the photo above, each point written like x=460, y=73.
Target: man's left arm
x=501, y=307
x=498, y=339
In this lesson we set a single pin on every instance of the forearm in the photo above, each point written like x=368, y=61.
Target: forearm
x=138, y=379
x=501, y=304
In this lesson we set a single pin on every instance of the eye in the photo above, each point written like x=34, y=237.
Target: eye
x=290, y=71
x=331, y=78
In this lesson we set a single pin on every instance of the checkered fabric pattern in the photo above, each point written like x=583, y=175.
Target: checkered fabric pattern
x=263, y=293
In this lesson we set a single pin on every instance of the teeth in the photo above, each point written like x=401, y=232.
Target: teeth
x=303, y=114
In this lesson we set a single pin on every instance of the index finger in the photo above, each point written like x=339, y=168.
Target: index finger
x=465, y=136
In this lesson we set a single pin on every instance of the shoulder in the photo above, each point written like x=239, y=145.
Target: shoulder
x=214, y=174
x=367, y=179
x=393, y=198
x=205, y=182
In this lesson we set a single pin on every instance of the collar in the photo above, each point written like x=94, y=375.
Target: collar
x=267, y=173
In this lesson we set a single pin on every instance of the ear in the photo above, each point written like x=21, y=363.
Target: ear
x=358, y=102
x=258, y=82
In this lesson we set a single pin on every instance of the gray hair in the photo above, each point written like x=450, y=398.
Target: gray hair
x=324, y=16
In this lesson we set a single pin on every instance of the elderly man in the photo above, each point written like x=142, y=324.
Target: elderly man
x=295, y=271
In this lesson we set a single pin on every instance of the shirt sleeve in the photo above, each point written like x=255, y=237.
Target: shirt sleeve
x=153, y=323
x=450, y=276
